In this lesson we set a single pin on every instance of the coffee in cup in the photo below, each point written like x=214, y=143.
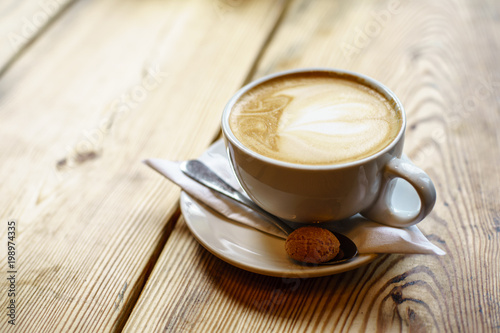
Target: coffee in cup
x=314, y=118
x=321, y=144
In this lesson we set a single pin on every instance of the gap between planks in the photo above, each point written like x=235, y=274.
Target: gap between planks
x=148, y=268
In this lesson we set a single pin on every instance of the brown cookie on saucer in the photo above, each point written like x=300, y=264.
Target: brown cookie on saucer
x=312, y=245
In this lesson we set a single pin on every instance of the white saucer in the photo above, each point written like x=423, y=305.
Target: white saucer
x=258, y=252
x=250, y=249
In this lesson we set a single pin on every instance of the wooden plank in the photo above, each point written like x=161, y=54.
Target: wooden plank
x=21, y=22
x=110, y=84
x=440, y=58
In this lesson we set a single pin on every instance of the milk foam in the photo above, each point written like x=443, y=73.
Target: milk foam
x=314, y=120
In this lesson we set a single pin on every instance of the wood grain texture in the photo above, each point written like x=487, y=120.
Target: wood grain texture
x=21, y=22
x=440, y=59
x=111, y=83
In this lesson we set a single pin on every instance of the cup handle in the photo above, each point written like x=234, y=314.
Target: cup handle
x=382, y=210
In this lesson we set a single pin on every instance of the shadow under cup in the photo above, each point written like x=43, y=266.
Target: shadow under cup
x=319, y=193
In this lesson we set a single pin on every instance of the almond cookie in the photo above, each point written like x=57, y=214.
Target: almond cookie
x=312, y=245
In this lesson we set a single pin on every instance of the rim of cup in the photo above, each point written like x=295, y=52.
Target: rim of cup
x=366, y=80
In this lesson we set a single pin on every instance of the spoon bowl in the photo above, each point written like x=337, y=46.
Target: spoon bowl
x=348, y=250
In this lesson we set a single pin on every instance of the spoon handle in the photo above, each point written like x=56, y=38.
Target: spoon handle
x=205, y=176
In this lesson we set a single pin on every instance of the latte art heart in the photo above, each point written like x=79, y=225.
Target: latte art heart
x=314, y=119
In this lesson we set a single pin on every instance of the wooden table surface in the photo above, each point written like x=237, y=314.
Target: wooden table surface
x=90, y=88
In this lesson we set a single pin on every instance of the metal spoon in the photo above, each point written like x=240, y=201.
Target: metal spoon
x=205, y=176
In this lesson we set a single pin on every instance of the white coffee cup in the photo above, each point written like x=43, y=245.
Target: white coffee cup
x=318, y=193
